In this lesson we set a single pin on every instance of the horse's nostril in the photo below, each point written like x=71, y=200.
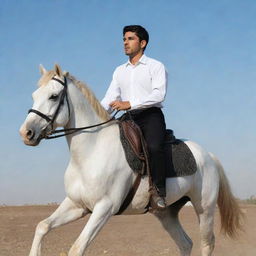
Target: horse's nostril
x=30, y=134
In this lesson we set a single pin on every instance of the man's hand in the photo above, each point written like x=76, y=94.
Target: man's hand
x=120, y=105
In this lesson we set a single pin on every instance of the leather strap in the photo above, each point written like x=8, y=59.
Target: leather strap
x=130, y=195
x=40, y=114
x=62, y=97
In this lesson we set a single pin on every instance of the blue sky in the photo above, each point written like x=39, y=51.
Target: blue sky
x=208, y=48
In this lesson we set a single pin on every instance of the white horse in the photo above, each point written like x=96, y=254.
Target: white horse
x=98, y=177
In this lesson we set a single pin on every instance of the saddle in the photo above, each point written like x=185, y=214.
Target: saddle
x=179, y=159
x=134, y=136
x=134, y=146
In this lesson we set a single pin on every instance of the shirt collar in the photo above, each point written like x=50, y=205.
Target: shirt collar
x=142, y=60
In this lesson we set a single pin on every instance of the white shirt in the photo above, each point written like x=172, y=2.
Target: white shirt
x=143, y=85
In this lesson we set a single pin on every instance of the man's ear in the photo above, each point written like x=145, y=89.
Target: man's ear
x=143, y=43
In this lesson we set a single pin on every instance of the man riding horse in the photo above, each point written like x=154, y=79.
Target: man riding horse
x=139, y=86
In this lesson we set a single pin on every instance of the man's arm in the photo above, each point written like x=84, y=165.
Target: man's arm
x=113, y=94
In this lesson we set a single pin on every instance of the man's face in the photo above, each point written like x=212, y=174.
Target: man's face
x=132, y=44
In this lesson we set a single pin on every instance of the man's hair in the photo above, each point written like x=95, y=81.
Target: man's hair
x=140, y=32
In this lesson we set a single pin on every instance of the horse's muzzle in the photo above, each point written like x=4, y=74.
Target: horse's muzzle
x=29, y=136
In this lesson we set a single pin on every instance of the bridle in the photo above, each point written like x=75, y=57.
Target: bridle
x=50, y=121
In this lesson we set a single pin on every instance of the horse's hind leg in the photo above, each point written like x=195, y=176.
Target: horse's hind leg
x=206, y=220
x=65, y=213
x=206, y=232
x=170, y=221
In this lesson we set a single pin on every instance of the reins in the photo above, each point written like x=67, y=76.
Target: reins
x=50, y=121
x=69, y=131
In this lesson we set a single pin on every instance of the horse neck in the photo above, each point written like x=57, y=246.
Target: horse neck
x=82, y=114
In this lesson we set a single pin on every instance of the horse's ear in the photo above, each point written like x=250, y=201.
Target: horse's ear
x=58, y=70
x=42, y=69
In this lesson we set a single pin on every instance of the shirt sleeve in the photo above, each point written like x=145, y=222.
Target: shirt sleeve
x=113, y=93
x=159, y=78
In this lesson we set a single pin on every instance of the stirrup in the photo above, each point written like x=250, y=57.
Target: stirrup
x=157, y=202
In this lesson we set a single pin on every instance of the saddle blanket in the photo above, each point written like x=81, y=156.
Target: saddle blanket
x=179, y=159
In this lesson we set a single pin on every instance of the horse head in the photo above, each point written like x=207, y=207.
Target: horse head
x=50, y=109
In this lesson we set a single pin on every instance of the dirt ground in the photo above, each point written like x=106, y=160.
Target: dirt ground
x=134, y=235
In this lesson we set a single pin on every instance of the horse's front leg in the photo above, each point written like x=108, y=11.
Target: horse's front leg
x=65, y=213
x=101, y=213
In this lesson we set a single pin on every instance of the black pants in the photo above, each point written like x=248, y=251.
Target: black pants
x=152, y=124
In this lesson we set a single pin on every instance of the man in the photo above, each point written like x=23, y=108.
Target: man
x=139, y=86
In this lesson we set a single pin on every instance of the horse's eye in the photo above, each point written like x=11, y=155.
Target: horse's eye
x=54, y=97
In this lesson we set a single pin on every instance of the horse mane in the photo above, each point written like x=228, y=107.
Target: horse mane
x=87, y=93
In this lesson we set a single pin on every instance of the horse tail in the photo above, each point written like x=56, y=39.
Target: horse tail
x=230, y=212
